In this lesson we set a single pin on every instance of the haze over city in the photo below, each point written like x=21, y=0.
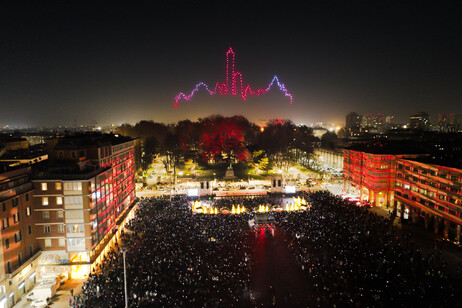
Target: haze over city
x=73, y=62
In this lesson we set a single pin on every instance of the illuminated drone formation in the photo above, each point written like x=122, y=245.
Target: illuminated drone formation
x=233, y=81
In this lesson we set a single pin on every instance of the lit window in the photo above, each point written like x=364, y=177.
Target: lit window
x=44, y=200
x=60, y=228
x=28, y=212
x=44, y=186
x=48, y=243
x=59, y=200
x=62, y=242
x=6, y=223
x=58, y=186
x=17, y=236
x=60, y=214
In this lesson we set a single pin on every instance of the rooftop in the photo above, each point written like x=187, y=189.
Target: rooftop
x=85, y=140
x=390, y=147
x=438, y=161
x=67, y=174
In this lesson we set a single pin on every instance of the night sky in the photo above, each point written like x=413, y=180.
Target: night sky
x=66, y=61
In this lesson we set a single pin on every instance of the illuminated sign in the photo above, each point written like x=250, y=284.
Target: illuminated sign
x=193, y=192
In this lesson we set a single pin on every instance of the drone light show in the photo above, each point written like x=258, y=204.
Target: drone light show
x=233, y=84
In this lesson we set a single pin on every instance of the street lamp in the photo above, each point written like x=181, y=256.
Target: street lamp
x=124, y=251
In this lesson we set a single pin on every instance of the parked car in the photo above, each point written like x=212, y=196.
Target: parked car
x=41, y=303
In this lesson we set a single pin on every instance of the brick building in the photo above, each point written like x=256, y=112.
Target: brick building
x=18, y=245
x=80, y=200
x=419, y=188
x=430, y=195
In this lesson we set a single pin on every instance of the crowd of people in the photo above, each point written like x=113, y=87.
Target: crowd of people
x=348, y=256
x=176, y=259
x=352, y=257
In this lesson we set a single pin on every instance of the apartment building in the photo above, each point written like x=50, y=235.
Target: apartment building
x=418, y=187
x=19, y=253
x=372, y=175
x=80, y=200
x=430, y=195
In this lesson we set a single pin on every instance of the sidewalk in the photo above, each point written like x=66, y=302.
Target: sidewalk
x=61, y=298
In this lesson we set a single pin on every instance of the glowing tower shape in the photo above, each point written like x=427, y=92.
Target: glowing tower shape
x=233, y=81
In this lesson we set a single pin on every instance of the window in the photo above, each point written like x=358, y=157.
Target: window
x=73, y=200
x=17, y=236
x=73, y=186
x=46, y=215
x=76, y=243
x=59, y=200
x=15, y=202
x=6, y=223
x=4, y=206
x=44, y=186
x=58, y=186
x=31, y=250
x=62, y=242
x=60, y=228
x=7, y=243
x=19, y=259
x=8, y=266
x=48, y=242
x=29, y=229
x=28, y=211
x=60, y=214
x=74, y=228
x=46, y=229
x=44, y=201
x=16, y=217
x=27, y=197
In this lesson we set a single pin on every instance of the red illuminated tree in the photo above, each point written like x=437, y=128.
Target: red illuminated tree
x=222, y=138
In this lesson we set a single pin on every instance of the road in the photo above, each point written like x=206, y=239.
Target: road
x=61, y=298
x=277, y=279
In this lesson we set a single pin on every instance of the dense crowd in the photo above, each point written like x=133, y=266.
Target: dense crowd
x=353, y=257
x=348, y=256
x=176, y=259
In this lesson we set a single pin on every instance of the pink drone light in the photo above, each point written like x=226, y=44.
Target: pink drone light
x=233, y=80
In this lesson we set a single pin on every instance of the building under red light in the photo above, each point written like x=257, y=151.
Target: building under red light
x=419, y=190
x=81, y=198
x=430, y=195
x=371, y=175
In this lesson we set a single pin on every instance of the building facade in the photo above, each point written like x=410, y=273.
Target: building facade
x=19, y=253
x=331, y=158
x=420, y=192
x=419, y=121
x=371, y=176
x=430, y=195
x=80, y=199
